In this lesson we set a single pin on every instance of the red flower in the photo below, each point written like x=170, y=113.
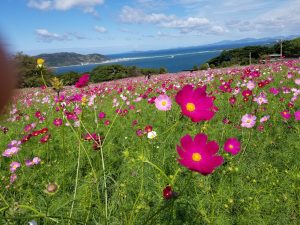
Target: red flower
x=232, y=100
x=36, y=133
x=247, y=93
x=26, y=138
x=45, y=138
x=38, y=114
x=168, y=193
x=148, y=129
x=44, y=130
x=199, y=154
x=195, y=104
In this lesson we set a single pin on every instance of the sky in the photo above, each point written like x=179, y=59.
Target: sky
x=115, y=26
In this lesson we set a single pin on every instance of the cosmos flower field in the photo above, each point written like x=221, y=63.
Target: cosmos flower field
x=209, y=147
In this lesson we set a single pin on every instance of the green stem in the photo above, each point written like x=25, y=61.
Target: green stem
x=139, y=195
x=43, y=78
x=32, y=209
x=159, y=169
x=105, y=185
x=76, y=182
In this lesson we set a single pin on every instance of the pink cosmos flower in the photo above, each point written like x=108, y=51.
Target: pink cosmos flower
x=36, y=160
x=10, y=152
x=297, y=115
x=83, y=81
x=13, y=178
x=199, y=154
x=163, y=103
x=101, y=115
x=297, y=81
x=274, y=91
x=264, y=119
x=261, y=99
x=248, y=121
x=232, y=145
x=14, y=143
x=57, y=122
x=28, y=163
x=14, y=166
x=195, y=104
x=250, y=85
x=286, y=114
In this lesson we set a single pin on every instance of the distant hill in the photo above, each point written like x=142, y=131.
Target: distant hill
x=240, y=56
x=70, y=58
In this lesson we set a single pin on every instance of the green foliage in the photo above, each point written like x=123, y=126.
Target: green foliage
x=195, y=67
x=240, y=56
x=113, y=72
x=70, y=78
x=28, y=74
x=204, y=66
x=289, y=48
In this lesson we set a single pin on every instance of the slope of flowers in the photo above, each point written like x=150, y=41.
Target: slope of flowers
x=209, y=147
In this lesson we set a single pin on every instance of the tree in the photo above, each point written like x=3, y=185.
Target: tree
x=28, y=74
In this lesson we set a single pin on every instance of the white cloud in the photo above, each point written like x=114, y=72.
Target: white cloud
x=280, y=20
x=190, y=22
x=42, y=5
x=131, y=15
x=218, y=30
x=185, y=25
x=45, y=36
x=88, y=6
x=100, y=29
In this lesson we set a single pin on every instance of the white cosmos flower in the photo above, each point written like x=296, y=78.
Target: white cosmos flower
x=151, y=135
x=32, y=222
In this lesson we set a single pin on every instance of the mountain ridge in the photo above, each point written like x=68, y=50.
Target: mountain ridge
x=70, y=58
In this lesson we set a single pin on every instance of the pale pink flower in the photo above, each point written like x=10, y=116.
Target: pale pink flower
x=248, y=121
x=163, y=103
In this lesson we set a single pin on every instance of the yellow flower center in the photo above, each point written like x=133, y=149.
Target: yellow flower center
x=248, y=121
x=190, y=107
x=163, y=103
x=230, y=146
x=196, y=157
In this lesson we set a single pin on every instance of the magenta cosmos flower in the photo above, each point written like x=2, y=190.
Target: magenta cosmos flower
x=195, y=104
x=248, y=121
x=232, y=145
x=297, y=115
x=101, y=115
x=83, y=81
x=286, y=114
x=57, y=122
x=163, y=103
x=198, y=154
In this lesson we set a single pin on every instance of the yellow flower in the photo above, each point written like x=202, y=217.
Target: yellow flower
x=40, y=62
x=84, y=101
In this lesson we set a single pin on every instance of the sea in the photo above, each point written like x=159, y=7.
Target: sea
x=174, y=60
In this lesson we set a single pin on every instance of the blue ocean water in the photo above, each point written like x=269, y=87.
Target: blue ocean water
x=174, y=60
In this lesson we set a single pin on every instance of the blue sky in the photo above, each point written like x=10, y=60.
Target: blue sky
x=112, y=26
